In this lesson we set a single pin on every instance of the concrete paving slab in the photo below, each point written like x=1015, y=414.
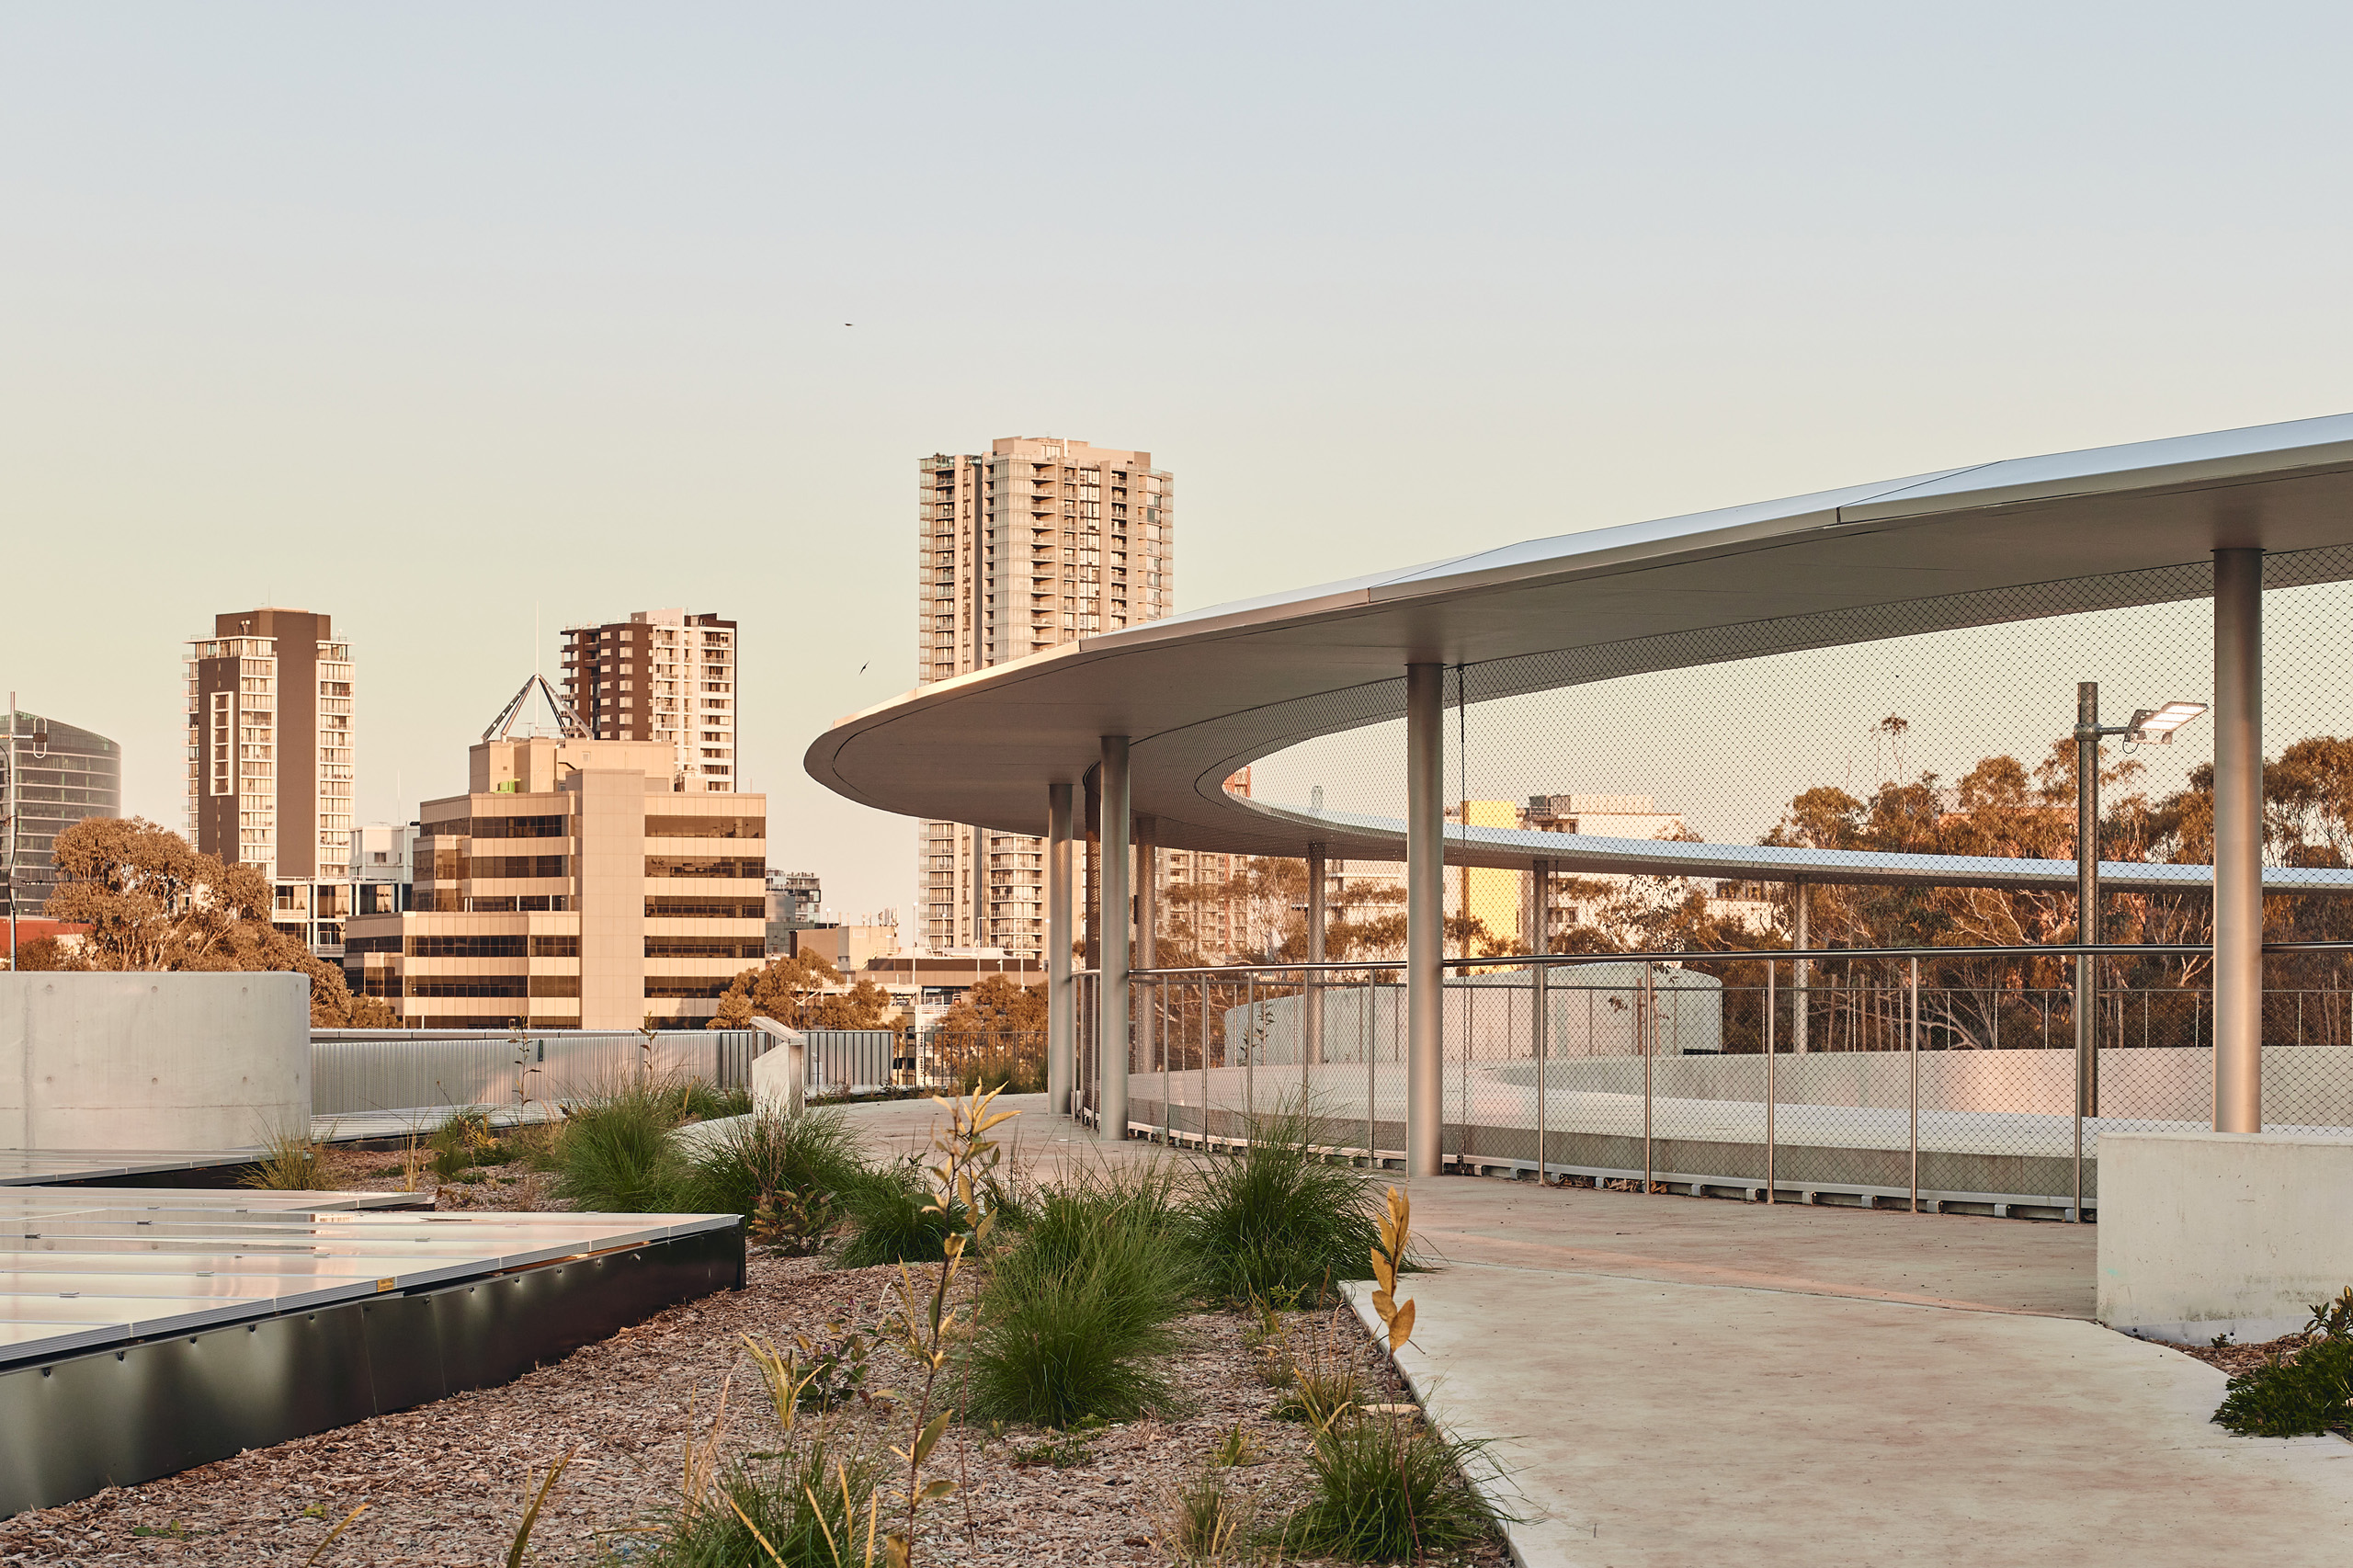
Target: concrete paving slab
x=2005, y=1265
x=1655, y=1424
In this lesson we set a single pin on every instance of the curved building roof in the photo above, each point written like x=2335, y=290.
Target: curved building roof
x=1204, y=694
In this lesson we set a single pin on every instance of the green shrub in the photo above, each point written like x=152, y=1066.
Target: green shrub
x=813, y=1154
x=1077, y=1309
x=2308, y=1396
x=887, y=1221
x=774, y=1493
x=1388, y=1489
x=615, y=1155
x=1278, y=1223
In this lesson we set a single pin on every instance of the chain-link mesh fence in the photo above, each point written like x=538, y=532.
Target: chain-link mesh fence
x=1911, y=734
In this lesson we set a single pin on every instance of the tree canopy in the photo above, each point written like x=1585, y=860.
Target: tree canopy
x=152, y=902
x=804, y=991
x=997, y=1005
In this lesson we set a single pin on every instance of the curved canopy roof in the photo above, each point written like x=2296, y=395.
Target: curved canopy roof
x=1202, y=695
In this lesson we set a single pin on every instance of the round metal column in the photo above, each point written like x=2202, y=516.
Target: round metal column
x=1425, y=916
x=1312, y=1043
x=2238, y=841
x=1112, y=1019
x=1061, y=997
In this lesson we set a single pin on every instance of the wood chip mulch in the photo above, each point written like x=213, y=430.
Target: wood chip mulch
x=2240, y=1359
x=445, y=1483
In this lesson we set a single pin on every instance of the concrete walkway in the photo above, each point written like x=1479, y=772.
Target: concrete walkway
x=1674, y=1381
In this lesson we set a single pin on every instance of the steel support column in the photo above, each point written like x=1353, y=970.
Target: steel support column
x=1147, y=861
x=1061, y=997
x=2086, y=1002
x=1111, y=1020
x=2238, y=841
x=1312, y=1041
x=1425, y=915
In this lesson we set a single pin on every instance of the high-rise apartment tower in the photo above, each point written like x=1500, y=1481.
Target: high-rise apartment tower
x=1040, y=542
x=662, y=675
x=270, y=764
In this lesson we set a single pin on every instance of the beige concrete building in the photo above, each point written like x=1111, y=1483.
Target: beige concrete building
x=1040, y=542
x=662, y=675
x=270, y=760
x=579, y=883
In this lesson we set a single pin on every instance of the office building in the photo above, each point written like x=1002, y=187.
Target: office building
x=270, y=760
x=379, y=867
x=578, y=883
x=63, y=775
x=1039, y=542
x=795, y=903
x=660, y=675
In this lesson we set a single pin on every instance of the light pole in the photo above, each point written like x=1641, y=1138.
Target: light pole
x=2156, y=724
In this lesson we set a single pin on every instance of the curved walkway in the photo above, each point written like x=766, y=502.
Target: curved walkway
x=1676, y=1382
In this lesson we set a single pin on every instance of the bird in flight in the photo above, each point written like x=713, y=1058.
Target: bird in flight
x=861, y=670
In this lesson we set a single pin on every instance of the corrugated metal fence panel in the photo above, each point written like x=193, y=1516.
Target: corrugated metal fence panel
x=850, y=1058
x=354, y=1070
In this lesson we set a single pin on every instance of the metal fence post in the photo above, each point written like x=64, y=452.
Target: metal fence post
x=1311, y=993
x=2075, y=1214
x=1913, y=1051
x=1371, y=1079
x=1543, y=1054
x=1769, y=1005
x=1249, y=1051
x=1205, y=1064
x=1646, y=1032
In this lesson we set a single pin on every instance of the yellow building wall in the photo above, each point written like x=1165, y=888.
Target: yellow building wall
x=1493, y=895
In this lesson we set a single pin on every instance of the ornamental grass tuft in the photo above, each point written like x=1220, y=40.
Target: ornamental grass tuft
x=614, y=1153
x=1076, y=1313
x=890, y=1219
x=1388, y=1489
x=810, y=1504
x=1278, y=1223
x=813, y=1155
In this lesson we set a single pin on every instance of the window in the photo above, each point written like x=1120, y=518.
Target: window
x=703, y=866
x=705, y=947
x=705, y=828
x=706, y=908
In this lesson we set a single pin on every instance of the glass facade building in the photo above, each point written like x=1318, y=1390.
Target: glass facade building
x=67, y=775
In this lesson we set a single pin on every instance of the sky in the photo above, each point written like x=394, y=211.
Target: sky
x=453, y=321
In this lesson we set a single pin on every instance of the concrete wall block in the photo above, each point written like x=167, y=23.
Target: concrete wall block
x=153, y=1060
x=2205, y=1234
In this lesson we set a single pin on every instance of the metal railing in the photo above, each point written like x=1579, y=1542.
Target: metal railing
x=360, y=1071
x=1720, y=1073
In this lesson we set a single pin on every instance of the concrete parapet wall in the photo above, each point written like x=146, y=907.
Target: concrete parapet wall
x=153, y=1060
x=2205, y=1234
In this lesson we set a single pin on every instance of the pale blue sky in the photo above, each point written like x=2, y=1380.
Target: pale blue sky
x=443, y=310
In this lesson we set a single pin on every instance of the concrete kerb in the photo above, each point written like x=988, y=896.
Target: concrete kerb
x=1513, y=1514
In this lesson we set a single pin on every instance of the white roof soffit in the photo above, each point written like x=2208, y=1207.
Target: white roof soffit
x=1202, y=695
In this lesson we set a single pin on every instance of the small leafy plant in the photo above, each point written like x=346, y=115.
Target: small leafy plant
x=2302, y=1394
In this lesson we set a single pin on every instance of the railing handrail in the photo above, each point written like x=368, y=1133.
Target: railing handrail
x=1733, y=955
